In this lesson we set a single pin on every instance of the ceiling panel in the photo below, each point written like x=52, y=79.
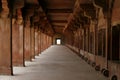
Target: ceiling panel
x=59, y=4
x=58, y=12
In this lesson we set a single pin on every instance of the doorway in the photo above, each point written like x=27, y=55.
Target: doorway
x=58, y=41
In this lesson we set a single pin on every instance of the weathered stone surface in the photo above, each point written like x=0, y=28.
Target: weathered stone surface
x=39, y=42
x=33, y=42
x=21, y=44
x=5, y=40
x=16, y=39
x=116, y=12
x=5, y=46
x=90, y=42
x=43, y=42
x=5, y=9
x=36, y=42
x=27, y=50
x=18, y=4
x=56, y=63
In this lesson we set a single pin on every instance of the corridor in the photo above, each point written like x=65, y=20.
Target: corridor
x=55, y=63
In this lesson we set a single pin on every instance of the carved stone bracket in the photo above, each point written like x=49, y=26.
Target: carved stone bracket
x=5, y=9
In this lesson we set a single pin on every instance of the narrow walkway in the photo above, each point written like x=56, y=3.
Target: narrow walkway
x=55, y=63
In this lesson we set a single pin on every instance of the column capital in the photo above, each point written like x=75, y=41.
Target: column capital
x=5, y=9
x=19, y=16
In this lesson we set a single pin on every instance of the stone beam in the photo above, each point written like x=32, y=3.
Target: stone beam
x=59, y=10
x=59, y=21
x=18, y=4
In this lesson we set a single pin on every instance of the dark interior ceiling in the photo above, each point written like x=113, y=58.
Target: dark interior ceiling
x=54, y=16
x=58, y=12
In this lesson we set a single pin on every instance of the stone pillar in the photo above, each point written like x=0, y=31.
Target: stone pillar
x=79, y=40
x=36, y=41
x=87, y=39
x=96, y=36
x=47, y=41
x=50, y=40
x=42, y=42
x=39, y=41
x=33, y=42
x=27, y=48
x=27, y=32
x=21, y=45
x=84, y=39
x=5, y=41
x=17, y=40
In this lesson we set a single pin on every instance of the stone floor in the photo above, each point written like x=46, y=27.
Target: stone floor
x=55, y=63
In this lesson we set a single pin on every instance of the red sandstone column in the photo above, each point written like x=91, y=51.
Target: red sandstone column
x=21, y=45
x=33, y=42
x=17, y=40
x=40, y=41
x=15, y=43
x=42, y=45
x=38, y=37
x=5, y=41
x=49, y=41
x=27, y=50
x=27, y=33
x=44, y=41
x=36, y=41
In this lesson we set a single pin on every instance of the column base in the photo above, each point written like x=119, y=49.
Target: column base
x=18, y=64
x=6, y=70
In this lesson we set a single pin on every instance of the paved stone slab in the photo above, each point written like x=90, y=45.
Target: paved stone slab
x=55, y=63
